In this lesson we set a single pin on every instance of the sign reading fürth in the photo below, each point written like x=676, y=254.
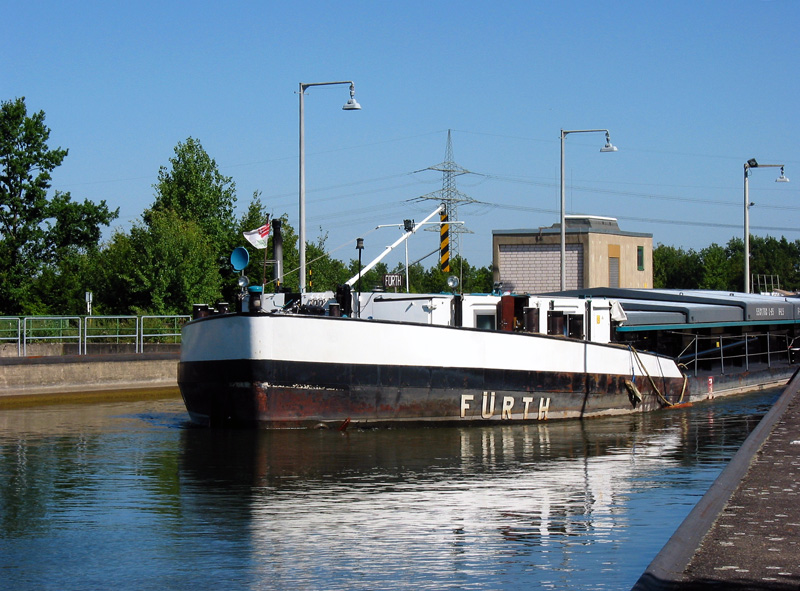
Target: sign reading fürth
x=392, y=280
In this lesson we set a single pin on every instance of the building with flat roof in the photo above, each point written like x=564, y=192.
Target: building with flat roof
x=598, y=254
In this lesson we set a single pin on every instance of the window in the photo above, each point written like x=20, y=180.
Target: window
x=640, y=257
x=484, y=321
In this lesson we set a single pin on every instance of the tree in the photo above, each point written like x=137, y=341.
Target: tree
x=715, y=268
x=36, y=233
x=325, y=272
x=162, y=267
x=370, y=280
x=674, y=268
x=196, y=191
x=776, y=258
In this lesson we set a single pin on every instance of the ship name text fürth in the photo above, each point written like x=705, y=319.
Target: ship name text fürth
x=507, y=404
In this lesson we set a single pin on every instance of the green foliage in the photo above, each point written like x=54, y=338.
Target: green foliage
x=159, y=268
x=715, y=268
x=254, y=217
x=770, y=256
x=179, y=254
x=675, y=268
x=39, y=238
x=372, y=279
x=196, y=191
x=60, y=289
x=722, y=268
x=432, y=280
x=471, y=279
x=324, y=272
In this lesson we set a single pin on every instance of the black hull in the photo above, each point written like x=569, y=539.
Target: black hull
x=281, y=394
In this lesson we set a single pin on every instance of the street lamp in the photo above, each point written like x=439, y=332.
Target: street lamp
x=350, y=105
x=752, y=163
x=359, y=248
x=609, y=147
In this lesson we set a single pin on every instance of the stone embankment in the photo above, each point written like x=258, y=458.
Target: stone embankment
x=77, y=377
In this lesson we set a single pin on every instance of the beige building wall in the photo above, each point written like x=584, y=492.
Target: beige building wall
x=530, y=261
x=603, y=246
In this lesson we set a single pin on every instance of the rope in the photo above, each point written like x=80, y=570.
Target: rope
x=664, y=401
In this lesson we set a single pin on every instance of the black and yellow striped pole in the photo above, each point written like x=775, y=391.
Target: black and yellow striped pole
x=444, y=243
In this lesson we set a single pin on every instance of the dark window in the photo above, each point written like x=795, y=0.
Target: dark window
x=640, y=257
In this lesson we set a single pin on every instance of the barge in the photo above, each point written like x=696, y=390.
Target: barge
x=333, y=360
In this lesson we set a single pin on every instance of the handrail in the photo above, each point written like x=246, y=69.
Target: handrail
x=79, y=330
x=756, y=347
x=158, y=333
x=106, y=335
x=31, y=331
x=18, y=337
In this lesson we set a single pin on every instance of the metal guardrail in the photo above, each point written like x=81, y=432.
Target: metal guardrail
x=728, y=351
x=168, y=327
x=11, y=331
x=50, y=328
x=81, y=330
x=123, y=329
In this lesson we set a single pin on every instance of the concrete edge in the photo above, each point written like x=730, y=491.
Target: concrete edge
x=100, y=358
x=666, y=569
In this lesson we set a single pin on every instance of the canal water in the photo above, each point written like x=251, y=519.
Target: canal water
x=128, y=495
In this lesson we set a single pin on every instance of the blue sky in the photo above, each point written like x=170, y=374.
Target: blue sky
x=689, y=91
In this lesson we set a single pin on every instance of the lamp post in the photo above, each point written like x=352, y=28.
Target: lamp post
x=609, y=147
x=752, y=163
x=359, y=248
x=350, y=105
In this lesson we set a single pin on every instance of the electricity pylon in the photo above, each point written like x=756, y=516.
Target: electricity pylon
x=450, y=196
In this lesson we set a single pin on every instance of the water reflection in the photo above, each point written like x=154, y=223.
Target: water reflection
x=149, y=502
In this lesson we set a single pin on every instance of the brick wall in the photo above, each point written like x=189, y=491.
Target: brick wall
x=534, y=268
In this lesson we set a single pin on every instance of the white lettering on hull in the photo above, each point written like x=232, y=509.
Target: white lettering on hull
x=507, y=407
x=487, y=414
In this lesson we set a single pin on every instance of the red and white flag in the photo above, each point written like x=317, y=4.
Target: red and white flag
x=258, y=237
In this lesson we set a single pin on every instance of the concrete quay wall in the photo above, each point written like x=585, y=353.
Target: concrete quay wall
x=67, y=376
x=745, y=531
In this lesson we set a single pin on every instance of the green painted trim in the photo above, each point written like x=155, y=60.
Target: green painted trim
x=646, y=327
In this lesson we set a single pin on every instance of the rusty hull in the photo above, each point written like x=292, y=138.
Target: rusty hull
x=272, y=394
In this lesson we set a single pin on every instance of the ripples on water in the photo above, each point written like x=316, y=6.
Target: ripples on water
x=129, y=496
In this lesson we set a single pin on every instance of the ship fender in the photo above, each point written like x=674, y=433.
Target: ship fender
x=633, y=393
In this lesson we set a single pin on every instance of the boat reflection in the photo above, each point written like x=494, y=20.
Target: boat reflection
x=564, y=505
x=459, y=498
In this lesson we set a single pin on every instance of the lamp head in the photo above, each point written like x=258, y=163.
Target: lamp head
x=609, y=147
x=352, y=103
x=752, y=163
x=782, y=178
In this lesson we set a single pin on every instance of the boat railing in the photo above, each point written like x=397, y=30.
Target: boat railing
x=722, y=353
x=23, y=336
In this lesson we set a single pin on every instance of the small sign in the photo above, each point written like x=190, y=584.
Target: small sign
x=393, y=280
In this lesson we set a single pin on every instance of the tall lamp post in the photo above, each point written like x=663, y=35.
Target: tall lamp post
x=609, y=147
x=781, y=179
x=350, y=105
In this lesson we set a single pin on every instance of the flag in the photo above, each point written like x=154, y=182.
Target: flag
x=258, y=237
